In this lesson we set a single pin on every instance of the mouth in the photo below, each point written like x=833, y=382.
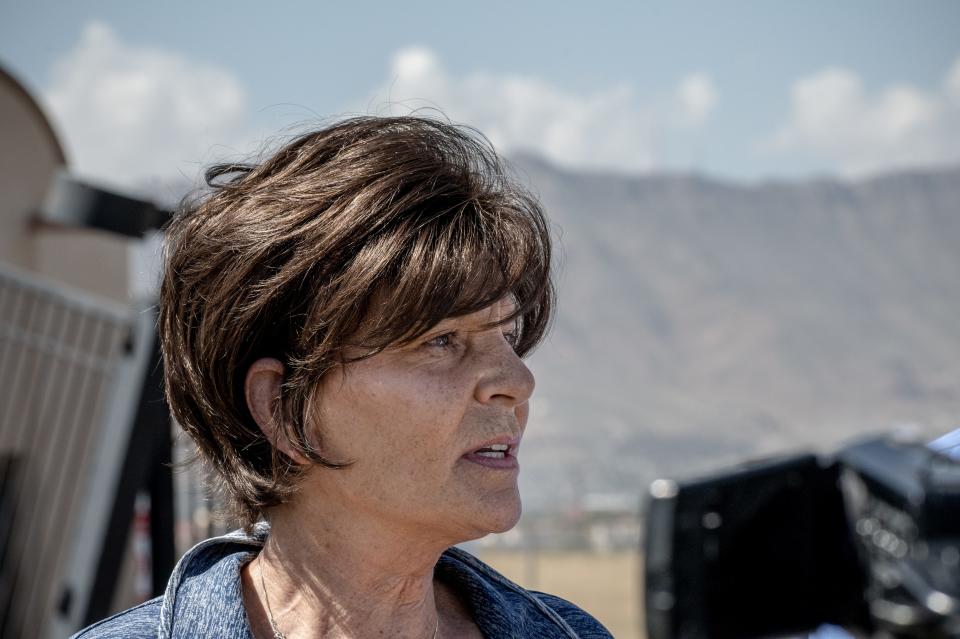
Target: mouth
x=500, y=453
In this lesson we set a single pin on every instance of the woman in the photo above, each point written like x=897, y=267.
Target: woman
x=343, y=329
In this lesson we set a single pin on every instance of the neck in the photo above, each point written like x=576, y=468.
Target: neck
x=343, y=575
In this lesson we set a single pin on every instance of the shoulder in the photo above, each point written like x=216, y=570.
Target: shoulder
x=203, y=597
x=582, y=622
x=139, y=622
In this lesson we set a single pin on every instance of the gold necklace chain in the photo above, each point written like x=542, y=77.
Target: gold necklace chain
x=273, y=624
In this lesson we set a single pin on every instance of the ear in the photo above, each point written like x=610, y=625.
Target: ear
x=262, y=391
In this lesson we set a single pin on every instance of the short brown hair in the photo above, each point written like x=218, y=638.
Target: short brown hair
x=286, y=258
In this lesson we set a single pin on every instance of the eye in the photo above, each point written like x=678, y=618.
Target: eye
x=444, y=340
x=512, y=336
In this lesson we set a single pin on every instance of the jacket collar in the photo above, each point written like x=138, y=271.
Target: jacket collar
x=502, y=609
x=204, y=596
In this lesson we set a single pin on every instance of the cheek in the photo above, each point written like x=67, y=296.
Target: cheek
x=411, y=413
x=426, y=410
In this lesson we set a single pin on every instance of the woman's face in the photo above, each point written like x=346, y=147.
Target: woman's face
x=426, y=425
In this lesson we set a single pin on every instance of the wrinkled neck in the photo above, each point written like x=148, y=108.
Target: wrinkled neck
x=346, y=575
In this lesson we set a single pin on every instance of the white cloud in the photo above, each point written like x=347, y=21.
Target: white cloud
x=612, y=128
x=832, y=115
x=696, y=97
x=131, y=114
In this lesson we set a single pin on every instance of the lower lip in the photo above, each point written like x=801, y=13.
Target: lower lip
x=507, y=462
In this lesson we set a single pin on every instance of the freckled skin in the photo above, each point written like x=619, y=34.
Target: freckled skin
x=408, y=415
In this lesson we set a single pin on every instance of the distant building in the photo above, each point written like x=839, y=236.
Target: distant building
x=31, y=157
x=75, y=355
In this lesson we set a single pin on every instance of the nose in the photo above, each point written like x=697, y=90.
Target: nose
x=505, y=380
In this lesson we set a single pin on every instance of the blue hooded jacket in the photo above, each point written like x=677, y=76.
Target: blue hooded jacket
x=204, y=598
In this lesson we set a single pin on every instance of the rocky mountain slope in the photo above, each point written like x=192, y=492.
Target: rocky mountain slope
x=701, y=322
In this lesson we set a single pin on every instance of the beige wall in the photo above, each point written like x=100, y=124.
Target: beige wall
x=30, y=156
x=93, y=261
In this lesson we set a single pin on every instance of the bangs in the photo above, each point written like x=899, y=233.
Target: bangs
x=455, y=262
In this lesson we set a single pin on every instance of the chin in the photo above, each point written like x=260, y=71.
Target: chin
x=505, y=525
x=503, y=516
x=493, y=517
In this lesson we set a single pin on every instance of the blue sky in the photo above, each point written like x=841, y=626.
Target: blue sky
x=742, y=90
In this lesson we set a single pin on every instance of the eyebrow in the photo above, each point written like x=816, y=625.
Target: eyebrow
x=483, y=324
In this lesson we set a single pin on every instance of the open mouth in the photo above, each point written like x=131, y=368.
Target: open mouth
x=501, y=455
x=494, y=451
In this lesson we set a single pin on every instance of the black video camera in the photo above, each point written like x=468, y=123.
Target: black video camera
x=867, y=539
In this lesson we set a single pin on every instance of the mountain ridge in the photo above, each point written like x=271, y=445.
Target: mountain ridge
x=701, y=322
